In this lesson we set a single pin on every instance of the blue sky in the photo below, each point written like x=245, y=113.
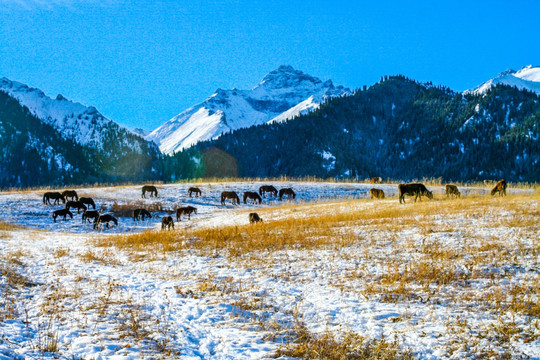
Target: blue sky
x=142, y=62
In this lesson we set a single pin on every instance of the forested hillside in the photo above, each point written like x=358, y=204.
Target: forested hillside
x=397, y=128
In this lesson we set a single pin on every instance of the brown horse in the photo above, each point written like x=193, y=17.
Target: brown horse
x=186, y=210
x=253, y=196
x=254, y=217
x=500, y=187
x=376, y=180
x=62, y=212
x=104, y=219
x=452, y=190
x=167, y=222
x=230, y=195
x=415, y=189
x=194, y=190
x=56, y=196
x=286, y=191
x=376, y=193
x=70, y=194
x=267, y=189
x=77, y=205
x=140, y=214
x=151, y=189
x=88, y=201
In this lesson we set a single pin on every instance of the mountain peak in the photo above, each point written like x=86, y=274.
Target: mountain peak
x=285, y=76
x=527, y=78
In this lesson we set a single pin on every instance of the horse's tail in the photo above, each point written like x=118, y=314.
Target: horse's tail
x=44, y=198
x=245, y=198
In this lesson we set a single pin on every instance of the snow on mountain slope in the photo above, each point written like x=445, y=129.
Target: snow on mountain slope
x=528, y=78
x=281, y=95
x=84, y=125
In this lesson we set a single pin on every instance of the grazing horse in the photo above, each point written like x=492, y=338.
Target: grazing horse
x=167, y=222
x=104, y=219
x=253, y=196
x=88, y=201
x=62, y=212
x=194, y=190
x=452, y=190
x=151, y=189
x=140, y=214
x=286, y=191
x=230, y=195
x=376, y=193
x=70, y=194
x=89, y=214
x=56, y=196
x=254, y=217
x=76, y=204
x=414, y=189
x=186, y=210
x=500, y=187
x=267, y=189
x=376, y=180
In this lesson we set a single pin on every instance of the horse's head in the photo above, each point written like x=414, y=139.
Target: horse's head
x=429, y=194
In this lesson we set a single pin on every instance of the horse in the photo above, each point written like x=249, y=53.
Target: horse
x=151, y=189
x=62, y=212
x=254, y=217
x=140, y=214
x=286, y=191
x=186, y=210
x=415, y=189
x=253, y=196
x=452, y=190
x=167, y=222
x=70, y=194
x=500, y=188
x=88, y=201
x=56, y=196
x=89, y=214
x=104, y=219
x=194, y=190
x=267, y=189
x=76, y=204
x=230, y=195
x=376, y=193
x=376, y=180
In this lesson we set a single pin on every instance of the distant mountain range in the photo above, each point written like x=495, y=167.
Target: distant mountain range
x=397, y=129
x=527, y=78
x=67, y=142
x=282, y=94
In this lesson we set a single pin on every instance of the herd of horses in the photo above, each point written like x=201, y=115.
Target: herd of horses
x=72, y=201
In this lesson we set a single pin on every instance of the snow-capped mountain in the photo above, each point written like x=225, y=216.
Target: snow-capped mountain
x=282, y=94
x=528, y=78
x=82, y=124
x=68, y=142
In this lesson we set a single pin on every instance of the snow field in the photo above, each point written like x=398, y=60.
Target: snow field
x=445, y=278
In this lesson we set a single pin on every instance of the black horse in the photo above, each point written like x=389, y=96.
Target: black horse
x=254, y=217
x=56, y=196
x=194, y=190
x=140, y=214
x=267, y=189
x=186, y=210
x=253, y=196
x=88, y=201
x=62, y=212
x=151, y=189
x=104, y=219
x=71, y=194
x=230, y=195
x=89, y=214
x=77, y=205
x=167, y=222
x=286, y=191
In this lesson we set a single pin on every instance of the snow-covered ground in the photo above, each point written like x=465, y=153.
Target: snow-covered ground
x=80, y=301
